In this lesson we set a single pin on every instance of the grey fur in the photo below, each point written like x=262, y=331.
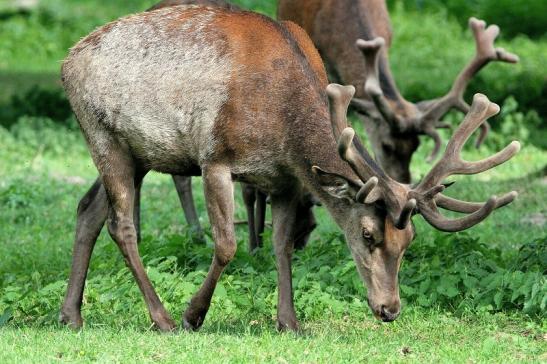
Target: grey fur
x=165, y=103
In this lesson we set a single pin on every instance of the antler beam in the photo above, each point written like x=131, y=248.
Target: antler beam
x=371, y=51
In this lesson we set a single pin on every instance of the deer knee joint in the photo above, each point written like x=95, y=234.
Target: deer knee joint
x=225, y=251
x=122, y=230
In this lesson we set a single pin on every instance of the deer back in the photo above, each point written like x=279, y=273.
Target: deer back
x=334, y=26
x=186, y=86
x=219, y=3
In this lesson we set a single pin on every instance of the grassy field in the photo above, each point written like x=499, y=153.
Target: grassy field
x=478, y=296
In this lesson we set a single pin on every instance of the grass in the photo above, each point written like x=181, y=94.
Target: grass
x=45, y=172
x=440, y=338
x=478, y=296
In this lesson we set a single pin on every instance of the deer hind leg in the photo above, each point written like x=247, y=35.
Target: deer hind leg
x=92, y=213
x=255, y=217
x=249, y=198
x=120, y=178
x=260, y=215
x=186, y=197
x=284, y=221
x=219, y=196
x=137, y=210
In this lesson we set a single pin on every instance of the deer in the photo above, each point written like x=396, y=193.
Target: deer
x=343, y=30
x=254, y=199
x=241, y=97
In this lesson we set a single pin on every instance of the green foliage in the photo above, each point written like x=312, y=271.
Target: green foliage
x=531, y=14
x=460, y=272
x=455, y=272
x=426, y=58
x=40, y=102
x=513, y=124
x=265, y=7
x=429, y=49
x=459, y=288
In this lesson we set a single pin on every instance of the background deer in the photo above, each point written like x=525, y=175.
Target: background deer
x=239, y=96
x=342, y=30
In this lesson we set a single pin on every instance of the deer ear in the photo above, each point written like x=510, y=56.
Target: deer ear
x=336, y=185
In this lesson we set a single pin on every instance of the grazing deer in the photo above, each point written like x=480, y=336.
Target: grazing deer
x=341, y=30
x=238, y=96
x=254, y=199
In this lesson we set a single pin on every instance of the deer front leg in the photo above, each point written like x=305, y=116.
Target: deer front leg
x=186, y=197
x=219, y=196
x=92, y=213
x=284, y=221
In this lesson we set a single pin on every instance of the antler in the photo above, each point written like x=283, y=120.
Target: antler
x=430, y=112
x=400, y=200
x=376, y=184
x=340, y=98
x=428, y=192
x=371, y=51
x=485, y=53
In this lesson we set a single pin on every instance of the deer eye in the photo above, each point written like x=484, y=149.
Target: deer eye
x=367, y=235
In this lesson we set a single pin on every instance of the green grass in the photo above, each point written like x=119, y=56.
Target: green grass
x=46, y=170
x=477, y=296
x=440, y=338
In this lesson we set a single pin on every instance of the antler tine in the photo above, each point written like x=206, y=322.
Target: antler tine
x=485, y=53
x=452, y=204
x=451, y=162
x=434, y=134
x=428, y=192
x=339, y=97
x=406, y=214
x=347, y=152
x=364, y=166
x=371, y=51
x=435, y=219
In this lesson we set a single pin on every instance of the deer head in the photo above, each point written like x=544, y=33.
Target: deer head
x=408, y=120
x=377, y=209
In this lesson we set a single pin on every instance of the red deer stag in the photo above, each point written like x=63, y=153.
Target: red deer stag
x=252, y=197
x=341, y=30
x=238, y=96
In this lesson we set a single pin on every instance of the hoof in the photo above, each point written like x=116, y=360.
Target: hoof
x=188, y=326
x=163, y=322
x=288, y=326
x=192, y=320
x=165, y=326
x=71, y=320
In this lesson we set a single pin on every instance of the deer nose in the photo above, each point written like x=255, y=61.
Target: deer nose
x=388, y=315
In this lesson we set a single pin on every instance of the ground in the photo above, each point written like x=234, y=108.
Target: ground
x=478, y=296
